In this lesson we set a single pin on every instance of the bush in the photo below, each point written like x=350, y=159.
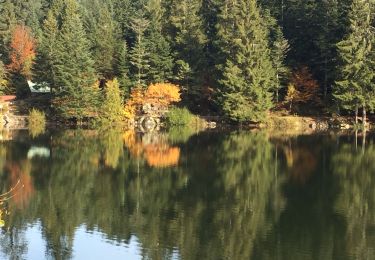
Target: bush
x=37, y=122
x=112, y=107
x=179, y=117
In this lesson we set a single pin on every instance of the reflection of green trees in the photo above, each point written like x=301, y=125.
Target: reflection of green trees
x=213, y=206
x=355, y=170
x=221, y=198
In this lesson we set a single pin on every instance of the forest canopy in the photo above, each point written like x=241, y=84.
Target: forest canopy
x=239, y=59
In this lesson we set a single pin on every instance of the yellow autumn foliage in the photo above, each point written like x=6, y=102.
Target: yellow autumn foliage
x=160, y=95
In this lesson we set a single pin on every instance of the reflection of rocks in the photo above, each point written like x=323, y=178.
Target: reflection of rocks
x=11, y=121
x=153, y=147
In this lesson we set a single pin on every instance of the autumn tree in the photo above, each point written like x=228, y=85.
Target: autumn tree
x=160, y=96
x=112, y=110
x=303, y=89
x=22, y=52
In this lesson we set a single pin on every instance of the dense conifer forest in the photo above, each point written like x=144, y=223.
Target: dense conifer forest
x=239, y=59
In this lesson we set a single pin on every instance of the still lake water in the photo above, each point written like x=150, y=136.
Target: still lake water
x=179, y=195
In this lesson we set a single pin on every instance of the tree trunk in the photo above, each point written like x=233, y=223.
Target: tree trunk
x=356, y=114
x=364, y=117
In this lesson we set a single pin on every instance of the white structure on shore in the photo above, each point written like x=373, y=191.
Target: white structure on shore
x=39, y=87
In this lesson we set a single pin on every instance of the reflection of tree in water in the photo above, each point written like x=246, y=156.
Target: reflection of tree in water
x=214, y=207
x=221, y=198
x=308, y=227
x=355, y=170
x=153, y=147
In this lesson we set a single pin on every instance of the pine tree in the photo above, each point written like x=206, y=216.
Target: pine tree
x=76, y=93
x=139, y=55
x=247, y=72
x=161, y=61
x=355, y=86
x=279, y=49
x=103, y=33
x=7, y=23
x=45, y=69
x=122, y=69
x=190, y=39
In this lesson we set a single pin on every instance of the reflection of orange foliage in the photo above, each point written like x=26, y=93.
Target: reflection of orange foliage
x=301, y=163
x=160, y=156
x=157, y=154
x=130, y=141
x=22, y=51
x=21, y=172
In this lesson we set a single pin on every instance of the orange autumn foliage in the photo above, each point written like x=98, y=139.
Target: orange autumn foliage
x=22, y=52
x=306, y=86
x=159, y=95
x=134, y=103
x=162, y=94
x=20, y=172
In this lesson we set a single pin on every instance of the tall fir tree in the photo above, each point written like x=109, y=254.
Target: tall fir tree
x=103, y=33
x=190, y=39
x=248, y=74
x=161, y=61
x=76, y=93
x=7, y=23
x=45, y=70
x=122, y=69
x=355, y=87
x=139, y=55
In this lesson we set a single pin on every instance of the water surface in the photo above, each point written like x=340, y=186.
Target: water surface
x=180, y=195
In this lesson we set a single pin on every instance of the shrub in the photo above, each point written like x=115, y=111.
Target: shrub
x=161, y=95
x=37, y=122
x=112, y=107
x=179, y=117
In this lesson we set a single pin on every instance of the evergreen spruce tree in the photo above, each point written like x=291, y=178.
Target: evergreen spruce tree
x=45, y=70
x=139, y=55
x=161, y=61
x=247, y=72
x=355, y=87
x=7, y=23
x=190, y=39
x=279, y=49
x=76, y=94
x=103, y=34
x=122, y=69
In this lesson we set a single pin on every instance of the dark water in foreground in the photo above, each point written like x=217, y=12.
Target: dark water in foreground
x=239, y=195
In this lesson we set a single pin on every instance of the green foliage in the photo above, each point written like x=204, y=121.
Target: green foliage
x=76, y=93
x=179, y=117
x=112, y=109
x=3, y=78
x=248, y=73
x=355, y=85
x=189, y=39
x=139, y=53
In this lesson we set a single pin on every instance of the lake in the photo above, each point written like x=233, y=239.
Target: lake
x=82, y=194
